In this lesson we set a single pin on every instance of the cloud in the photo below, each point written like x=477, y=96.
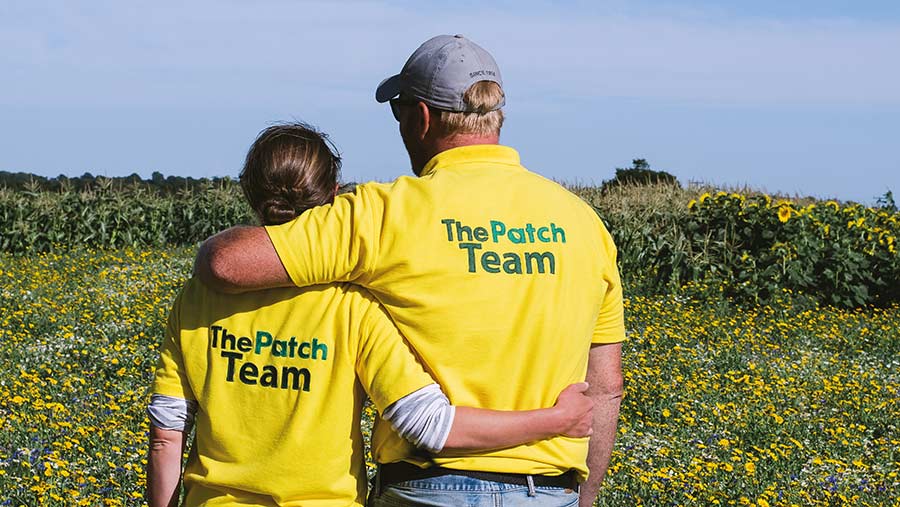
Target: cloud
x=230, y=54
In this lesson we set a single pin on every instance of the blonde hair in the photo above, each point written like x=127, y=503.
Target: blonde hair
x=482, y=98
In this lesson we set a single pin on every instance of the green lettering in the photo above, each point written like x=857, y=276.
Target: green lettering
x=248, y=373
x=460, y=229
x=539, y=259
x=490, y=262
x=296, y=373
x=530, y=230
x=244, y=344
x=269, y=378
x=512, y=264
x=215, y=335
x=497, y=229
x=471, y=247
x=481, y=234
x=516, y=235
x=263, y=339
x=449, y=222
x=541, y=232
x=228, y=338
x=554, y=230
x=317, y=347
x=232, y=357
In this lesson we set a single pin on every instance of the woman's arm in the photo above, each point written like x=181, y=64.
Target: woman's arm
x=171, y=419
x=427, y=419
x=164, y=467
x=476, y=428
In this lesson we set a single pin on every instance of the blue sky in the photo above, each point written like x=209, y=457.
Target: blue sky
x=798, y=97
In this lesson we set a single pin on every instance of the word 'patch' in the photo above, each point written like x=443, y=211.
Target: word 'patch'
x=234, y=347
x=472, y=240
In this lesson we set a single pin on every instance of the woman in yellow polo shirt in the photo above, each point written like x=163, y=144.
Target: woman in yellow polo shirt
x=274, y=381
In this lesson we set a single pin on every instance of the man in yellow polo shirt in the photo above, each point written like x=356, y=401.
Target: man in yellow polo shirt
x=504, y=282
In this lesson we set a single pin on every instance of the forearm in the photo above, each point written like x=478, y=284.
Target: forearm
x=164, y=467
x=427, y=419
x=606, y=388
x=606, y=416
x=240, y=259
x=475, y=428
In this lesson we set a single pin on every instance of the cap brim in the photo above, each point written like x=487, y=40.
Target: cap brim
x=388, y=89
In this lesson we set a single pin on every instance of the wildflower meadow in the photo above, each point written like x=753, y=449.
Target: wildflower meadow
x=771, y=380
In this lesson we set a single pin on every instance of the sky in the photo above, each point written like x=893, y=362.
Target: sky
x=797, y=98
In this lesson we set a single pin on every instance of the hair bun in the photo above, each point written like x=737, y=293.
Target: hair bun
x=277, y=210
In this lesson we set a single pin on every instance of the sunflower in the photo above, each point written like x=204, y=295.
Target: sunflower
x=784, y=214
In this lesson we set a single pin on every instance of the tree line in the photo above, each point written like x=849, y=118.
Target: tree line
x=166, y=185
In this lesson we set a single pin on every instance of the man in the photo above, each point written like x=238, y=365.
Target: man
x=504, y=283
x=272, y=375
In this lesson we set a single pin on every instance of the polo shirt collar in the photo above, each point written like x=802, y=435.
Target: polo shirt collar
x=473, y=154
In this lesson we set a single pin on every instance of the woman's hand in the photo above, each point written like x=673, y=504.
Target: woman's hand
x=575, y=411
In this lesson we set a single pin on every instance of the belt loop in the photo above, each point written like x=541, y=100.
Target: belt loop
x=530, y=481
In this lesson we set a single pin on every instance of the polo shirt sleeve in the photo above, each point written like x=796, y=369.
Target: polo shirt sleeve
x=385, y=364
x=171, y=377
x=610, y=325
x=332, y=243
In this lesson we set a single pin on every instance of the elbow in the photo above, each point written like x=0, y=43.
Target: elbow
x=160, y=445
x=165, y=442
x=616, y=394
x=214, y=269
x=615, y=388
x=611, y=389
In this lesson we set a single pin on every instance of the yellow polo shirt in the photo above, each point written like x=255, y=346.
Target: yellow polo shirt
x=499, y=278
x=275, y=377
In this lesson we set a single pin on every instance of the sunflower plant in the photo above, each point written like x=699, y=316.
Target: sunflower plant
x=754, y=247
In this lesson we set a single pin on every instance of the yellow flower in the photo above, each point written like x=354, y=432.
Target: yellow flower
x=704, y=197
x=750, y=467
x=784, y=214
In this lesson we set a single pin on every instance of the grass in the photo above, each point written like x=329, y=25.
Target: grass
x=787, y=404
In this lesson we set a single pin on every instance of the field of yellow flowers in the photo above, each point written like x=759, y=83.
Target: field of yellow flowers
x=783, y=404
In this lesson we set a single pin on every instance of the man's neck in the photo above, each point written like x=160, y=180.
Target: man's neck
x=456, y=141
x=442, y=144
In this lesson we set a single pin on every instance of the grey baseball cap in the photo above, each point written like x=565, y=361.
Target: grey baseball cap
x=440, y=71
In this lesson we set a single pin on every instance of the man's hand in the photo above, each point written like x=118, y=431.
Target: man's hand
x=240, y=259
x=575, y=411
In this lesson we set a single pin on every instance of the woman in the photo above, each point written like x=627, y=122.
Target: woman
x=274, y=381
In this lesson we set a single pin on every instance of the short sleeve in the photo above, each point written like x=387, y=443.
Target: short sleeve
x=332, y=243
x=610, y=325
x=171, y=377
x=385, y=365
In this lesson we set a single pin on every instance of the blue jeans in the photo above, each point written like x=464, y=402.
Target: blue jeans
x=451, y=490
